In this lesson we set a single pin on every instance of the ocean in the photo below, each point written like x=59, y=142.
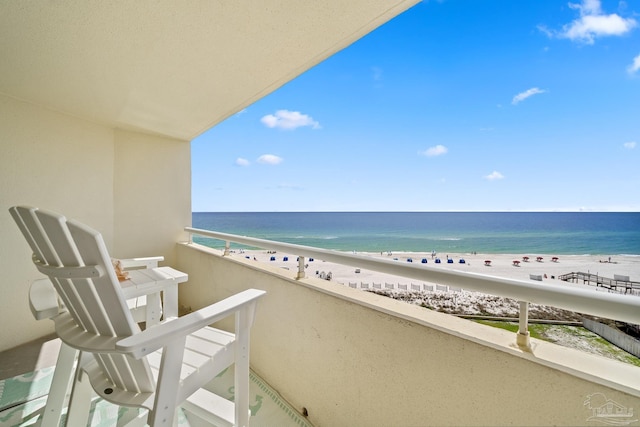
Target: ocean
x=567, y=233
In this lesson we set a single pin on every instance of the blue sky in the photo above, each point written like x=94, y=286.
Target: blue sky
x=454, y=105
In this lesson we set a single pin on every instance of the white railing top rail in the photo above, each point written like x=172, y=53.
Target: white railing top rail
x=624, y=308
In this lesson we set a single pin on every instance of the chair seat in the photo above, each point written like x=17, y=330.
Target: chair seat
x=207, y=351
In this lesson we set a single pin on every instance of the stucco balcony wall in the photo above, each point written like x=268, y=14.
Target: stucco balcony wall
x=354, y=358
x=134, y=188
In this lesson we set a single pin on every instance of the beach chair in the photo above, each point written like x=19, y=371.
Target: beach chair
x=151, y=291
x=160, y=368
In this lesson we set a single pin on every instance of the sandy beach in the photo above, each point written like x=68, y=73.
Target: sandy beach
x=462, y=302
x=501, y=265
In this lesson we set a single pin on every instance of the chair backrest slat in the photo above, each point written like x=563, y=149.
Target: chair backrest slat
x=32, y=231
x=124, y=370
x=44, y=252
x=80, y=292
x=114, y=312
x=96, y=304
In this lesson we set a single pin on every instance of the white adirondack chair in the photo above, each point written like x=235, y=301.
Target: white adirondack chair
x=160, y=368
x=151, y=291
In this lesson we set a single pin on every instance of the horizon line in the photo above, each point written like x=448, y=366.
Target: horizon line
x=426, y=211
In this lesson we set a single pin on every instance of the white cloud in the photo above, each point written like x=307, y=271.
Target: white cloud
x=635, y=66
x=269, y=159
x=494, y=176
x=242, y=162
x=630, y=145
x=592, y=23
x=526, y=94
x=438, y=150
x=285, y=119
x=588, y=7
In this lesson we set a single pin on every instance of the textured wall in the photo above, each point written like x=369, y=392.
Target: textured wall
x=152, y=182
x=133, y=188
x=358, y=359
x=51, y=161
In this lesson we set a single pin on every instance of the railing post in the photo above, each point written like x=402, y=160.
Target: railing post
x=300, y=274
x=227, y=245
x=522, y=338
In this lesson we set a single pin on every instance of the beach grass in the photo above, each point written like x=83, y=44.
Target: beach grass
x=534, y=331
x=570, y=336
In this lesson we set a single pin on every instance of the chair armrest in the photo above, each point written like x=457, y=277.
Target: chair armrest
x=43, y=299
x=152, y=339
x=147, y=262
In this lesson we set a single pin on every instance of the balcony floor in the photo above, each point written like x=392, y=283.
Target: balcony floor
x=20, y=404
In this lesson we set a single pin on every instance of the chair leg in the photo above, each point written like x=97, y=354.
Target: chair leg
x=170, y=302
x=59, y=391
x=80, y=403
x=165, y=402
x=241, y=369
x=153, y=309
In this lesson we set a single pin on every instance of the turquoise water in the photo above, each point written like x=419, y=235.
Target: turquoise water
x=594, y=233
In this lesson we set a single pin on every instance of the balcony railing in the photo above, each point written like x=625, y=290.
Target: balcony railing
x=625, y=308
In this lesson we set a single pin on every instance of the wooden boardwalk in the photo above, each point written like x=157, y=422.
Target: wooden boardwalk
x=620, y=284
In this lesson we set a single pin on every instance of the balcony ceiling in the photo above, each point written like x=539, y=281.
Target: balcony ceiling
x=167, y=67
